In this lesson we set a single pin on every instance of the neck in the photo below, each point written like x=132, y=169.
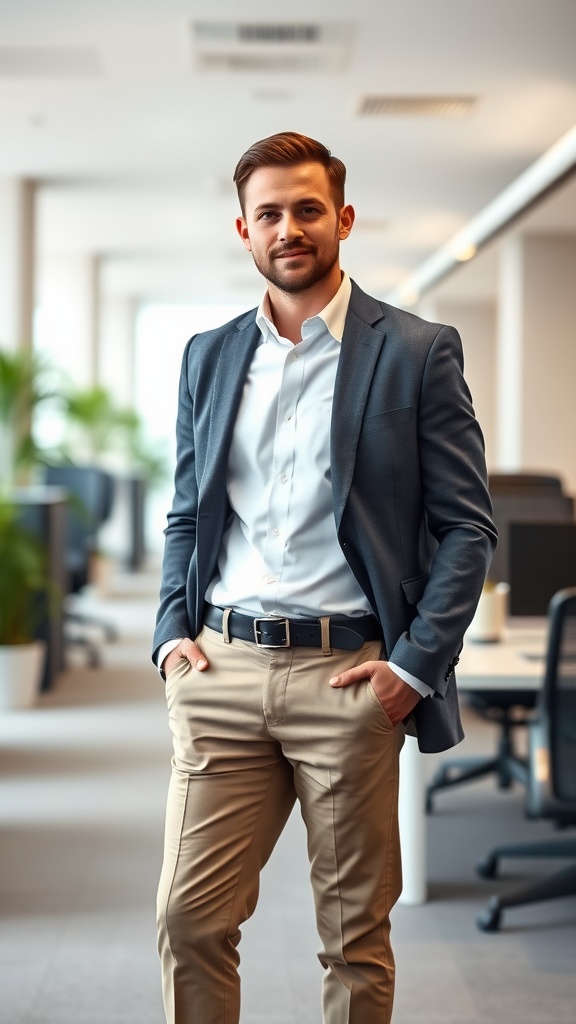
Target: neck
x=289, y=310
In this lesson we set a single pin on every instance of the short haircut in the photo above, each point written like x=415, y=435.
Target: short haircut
x=288, y=149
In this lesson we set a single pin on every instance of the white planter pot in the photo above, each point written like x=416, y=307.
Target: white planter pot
x=488, y=623
x=20, y=673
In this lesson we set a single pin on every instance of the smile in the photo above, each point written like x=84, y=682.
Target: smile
x=294, y=253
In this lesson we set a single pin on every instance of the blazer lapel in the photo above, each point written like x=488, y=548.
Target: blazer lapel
x=234, y=360
x=362, y=341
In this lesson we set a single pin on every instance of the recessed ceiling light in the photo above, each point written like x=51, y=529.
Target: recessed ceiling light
x=466, y=252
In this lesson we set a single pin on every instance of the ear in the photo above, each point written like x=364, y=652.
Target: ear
x=347, y=216
x=243, y=232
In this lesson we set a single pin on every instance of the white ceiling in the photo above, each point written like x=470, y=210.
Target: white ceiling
x=134, y=145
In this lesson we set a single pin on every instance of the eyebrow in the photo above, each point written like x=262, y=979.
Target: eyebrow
x=311, y=200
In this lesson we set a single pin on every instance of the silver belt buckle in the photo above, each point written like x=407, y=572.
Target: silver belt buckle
x=271, y=618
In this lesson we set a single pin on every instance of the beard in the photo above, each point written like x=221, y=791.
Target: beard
x=293, y=279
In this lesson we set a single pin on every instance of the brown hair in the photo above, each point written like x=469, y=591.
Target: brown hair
x=288, y=149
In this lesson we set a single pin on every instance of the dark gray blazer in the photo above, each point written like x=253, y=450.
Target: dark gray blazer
x=408, y=478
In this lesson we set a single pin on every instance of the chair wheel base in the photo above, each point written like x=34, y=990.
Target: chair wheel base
x=487, y=868
x=489, y=919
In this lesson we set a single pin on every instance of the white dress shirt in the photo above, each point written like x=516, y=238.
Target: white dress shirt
x=280, y=554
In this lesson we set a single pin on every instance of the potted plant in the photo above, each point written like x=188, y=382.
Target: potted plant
x=24, y=383
x=95, y=426
x=24, y=588
x=26, y=593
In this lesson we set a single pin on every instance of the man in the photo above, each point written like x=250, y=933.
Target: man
x=326, y=548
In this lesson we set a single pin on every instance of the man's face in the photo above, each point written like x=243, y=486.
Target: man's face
x=292, y=226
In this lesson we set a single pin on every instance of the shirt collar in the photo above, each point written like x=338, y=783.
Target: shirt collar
x=333, y=315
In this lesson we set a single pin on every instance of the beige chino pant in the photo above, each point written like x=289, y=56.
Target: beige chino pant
x=254, y=732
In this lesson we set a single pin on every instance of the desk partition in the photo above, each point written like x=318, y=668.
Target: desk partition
x=44, y=510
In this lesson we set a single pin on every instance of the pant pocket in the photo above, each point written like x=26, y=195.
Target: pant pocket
x=375, y=700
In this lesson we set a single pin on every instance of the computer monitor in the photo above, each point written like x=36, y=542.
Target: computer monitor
x=542, y=560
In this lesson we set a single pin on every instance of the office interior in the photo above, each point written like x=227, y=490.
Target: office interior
x=121, y=125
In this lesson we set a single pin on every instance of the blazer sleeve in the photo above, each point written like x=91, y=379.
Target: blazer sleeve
x=458, y=512
x=180, y=533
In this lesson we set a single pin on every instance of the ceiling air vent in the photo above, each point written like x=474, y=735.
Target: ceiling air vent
x=271, y=46
x=416, y=106
x=49, y=62
x=280, y=34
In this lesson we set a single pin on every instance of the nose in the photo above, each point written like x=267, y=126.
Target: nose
x=288, y=229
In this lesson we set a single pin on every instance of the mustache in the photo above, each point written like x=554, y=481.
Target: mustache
x=283, y=250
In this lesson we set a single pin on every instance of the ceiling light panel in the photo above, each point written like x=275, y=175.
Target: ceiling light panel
x=271, y=46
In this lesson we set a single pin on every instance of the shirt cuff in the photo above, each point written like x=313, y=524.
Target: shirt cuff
x=423, y=689
x=164, y=651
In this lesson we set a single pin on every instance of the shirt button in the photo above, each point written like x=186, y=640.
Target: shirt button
x=276, y=532
x=288, y=418
x=283, y=478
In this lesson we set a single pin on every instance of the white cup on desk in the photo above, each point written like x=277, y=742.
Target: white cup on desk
x=488, y=623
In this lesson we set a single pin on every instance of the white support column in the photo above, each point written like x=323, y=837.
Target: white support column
x=537, y=355
x=68, y=323
x=17, y=260
x=509, y=363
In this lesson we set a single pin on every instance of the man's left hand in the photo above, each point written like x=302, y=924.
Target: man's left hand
x=396, y=697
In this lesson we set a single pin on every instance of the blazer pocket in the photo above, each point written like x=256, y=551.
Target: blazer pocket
x=389, y=418
x=414, y=587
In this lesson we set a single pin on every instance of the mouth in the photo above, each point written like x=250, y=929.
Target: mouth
x=289, y=254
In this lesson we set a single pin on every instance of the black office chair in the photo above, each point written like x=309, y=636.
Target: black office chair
x=91, y=492
x=552, y=774
x=510, y=710
x=516, y=497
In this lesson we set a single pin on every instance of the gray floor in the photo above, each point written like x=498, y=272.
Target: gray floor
x=82, y=784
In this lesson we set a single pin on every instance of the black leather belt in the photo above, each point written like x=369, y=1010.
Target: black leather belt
x=270, y=631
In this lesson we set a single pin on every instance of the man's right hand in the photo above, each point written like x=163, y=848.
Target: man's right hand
x=186, y=649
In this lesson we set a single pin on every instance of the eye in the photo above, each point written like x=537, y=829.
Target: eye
x=267, y=215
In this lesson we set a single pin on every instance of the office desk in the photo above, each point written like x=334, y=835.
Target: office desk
x=516, y=663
